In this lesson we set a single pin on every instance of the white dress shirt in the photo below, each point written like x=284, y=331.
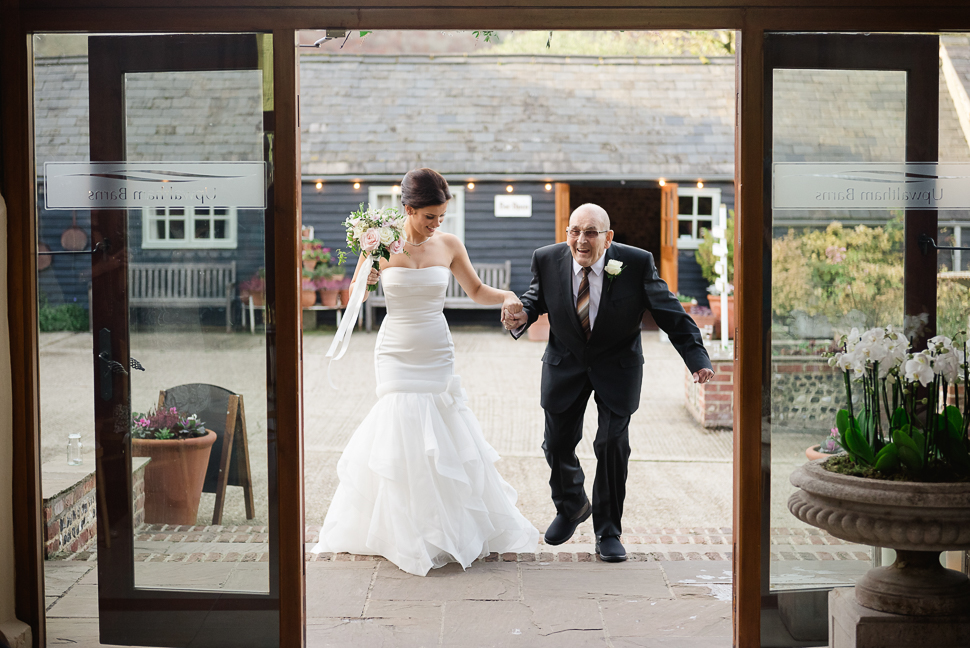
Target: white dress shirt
x=595, y=286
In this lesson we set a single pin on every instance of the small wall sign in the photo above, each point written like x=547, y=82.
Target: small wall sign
x=513, y=205
x=133, y=185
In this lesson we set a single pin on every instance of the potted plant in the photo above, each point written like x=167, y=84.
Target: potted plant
x=904, y=479
x=309, y=295
x=715, y=303
x=254, y=287
x=179, y=447
x=706, y=260
x=327, y=285
x=343, y=290
x=339, y=271
x=314, y=253
x=826, y=448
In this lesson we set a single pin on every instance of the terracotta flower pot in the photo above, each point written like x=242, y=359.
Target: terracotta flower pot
x=345, y=297
x=328, y=298
x=308, y=298
x=917, y=519
x=715, y=303
x=174, y=477
x=814, y=453
x=310, y=264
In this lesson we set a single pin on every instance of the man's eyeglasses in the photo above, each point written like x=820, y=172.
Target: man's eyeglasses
x=591, y=234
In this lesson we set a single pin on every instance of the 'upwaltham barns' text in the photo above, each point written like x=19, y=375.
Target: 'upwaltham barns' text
x=892, y=195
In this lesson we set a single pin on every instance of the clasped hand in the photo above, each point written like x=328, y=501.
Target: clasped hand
x=512, y=314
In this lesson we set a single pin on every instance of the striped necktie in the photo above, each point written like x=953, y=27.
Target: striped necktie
x=582, y=302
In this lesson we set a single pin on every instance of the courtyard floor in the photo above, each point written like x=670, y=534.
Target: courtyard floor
x=674, y=590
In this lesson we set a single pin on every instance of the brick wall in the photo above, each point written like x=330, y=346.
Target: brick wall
x=70, y=517
x=806, y=393
x=712, y=404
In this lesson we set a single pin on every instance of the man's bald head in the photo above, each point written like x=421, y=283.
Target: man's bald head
x=591, y=225
x=593, y=211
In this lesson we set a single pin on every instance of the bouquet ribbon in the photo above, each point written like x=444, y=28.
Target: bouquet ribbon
x=341, y=340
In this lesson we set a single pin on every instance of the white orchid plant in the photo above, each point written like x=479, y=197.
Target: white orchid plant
x=905, y=424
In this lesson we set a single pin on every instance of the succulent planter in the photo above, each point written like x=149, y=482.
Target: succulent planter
x=174, y=477
x=917, y=519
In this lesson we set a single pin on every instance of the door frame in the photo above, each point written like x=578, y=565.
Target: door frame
x=751, y=18
x=918, y=57
x=129, y=614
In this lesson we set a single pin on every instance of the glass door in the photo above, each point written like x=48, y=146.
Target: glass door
x=170, y=173
x=838, y=262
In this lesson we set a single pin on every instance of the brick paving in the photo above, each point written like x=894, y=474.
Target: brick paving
x=229, y=544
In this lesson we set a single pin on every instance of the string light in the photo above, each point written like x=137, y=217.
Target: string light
x=356, y=185
x=471, y=186
x=662, y=182
x=509, y=188
x=700, y=184
x=319, y=185
x=548, y=186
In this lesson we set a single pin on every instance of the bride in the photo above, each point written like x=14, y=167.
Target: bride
x=417, y=480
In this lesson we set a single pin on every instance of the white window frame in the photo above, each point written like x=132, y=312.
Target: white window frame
x=692, y=242
x=150, y=242
x=454, y=222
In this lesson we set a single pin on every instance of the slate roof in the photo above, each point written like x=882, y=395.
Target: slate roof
x=517, y=115
x=489, y=115
x=175, y=116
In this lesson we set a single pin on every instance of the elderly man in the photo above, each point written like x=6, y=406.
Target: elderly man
x=595, y=292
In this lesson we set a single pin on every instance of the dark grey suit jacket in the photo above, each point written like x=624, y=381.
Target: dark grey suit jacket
x=612, y=358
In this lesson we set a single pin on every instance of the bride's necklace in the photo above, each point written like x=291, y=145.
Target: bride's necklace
x=406, y=240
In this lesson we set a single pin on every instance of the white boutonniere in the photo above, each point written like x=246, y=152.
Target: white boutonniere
x=613, y=269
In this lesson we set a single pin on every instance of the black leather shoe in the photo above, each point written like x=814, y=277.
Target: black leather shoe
x=609, y=549
x=562, y=528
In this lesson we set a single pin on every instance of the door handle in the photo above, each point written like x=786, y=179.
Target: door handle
x=108, y=367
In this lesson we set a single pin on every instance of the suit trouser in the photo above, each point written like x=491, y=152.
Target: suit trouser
x=612, y=448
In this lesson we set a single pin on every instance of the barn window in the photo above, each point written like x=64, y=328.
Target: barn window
x=189, y=227
x=454, y=223
x=697, y=210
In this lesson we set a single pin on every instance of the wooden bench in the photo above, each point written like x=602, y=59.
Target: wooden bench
x=496, y=275
x=183, y=285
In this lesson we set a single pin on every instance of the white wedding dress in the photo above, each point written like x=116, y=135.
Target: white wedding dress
x=417, y=480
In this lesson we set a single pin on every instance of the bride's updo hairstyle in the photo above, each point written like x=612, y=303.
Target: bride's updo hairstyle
x=423, y=188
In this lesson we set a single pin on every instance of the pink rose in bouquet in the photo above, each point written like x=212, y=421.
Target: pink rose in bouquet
x=376, y=233
x=370, y=240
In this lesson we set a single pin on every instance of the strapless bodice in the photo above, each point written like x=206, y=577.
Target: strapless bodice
x=414, y=350
x=415, y=293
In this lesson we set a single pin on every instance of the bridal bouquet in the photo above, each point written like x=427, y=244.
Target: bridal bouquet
x=910, y=420
x=377, y=232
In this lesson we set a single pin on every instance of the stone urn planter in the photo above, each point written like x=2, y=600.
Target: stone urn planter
x=917, y=519
x=174, y=477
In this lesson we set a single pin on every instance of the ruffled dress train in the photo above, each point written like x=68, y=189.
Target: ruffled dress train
x=418, y=483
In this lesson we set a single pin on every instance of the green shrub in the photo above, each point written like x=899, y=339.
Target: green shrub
x=64, y=317
x=834, y=271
